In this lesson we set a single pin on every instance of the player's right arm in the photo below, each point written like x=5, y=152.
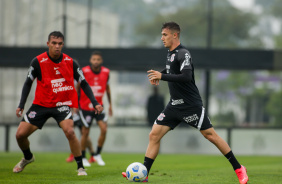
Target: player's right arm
x=33, y=72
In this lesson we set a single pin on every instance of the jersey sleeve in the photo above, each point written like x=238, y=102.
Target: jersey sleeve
x=33, y=72
x=185, y=59
x=77, y=72
x=185, y=76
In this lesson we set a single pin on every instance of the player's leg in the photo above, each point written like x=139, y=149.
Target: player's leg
x=91, y=150
x=77, y=123
x=83, y=141
x=103, y=132
x=23, y=132
x=67, y=126
x=155, y=136
x=214, y=138
x=86, y=122
x=224, y=148
x=101, y=140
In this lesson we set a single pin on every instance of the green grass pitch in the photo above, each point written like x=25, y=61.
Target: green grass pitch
x=168, y=168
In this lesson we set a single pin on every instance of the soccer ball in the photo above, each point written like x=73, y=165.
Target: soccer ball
x=136, y=172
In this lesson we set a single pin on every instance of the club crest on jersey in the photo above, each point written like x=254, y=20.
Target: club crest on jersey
x=172, y=57
x=161, y=117
x=32, y=114
x=57, y=70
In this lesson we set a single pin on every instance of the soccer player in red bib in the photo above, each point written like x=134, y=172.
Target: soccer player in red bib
x=97, y=77
x=55, y=95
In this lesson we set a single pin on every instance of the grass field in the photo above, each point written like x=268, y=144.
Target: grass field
x=168, y=168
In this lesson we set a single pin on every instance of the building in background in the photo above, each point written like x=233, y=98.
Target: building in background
x=28, y=23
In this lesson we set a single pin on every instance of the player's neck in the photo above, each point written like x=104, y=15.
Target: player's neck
x=174, y=46
x=96, y=69
x=54, y=57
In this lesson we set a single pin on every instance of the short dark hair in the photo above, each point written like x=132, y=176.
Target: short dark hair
x=96, y=53
x=56, y=34
x=173, y=26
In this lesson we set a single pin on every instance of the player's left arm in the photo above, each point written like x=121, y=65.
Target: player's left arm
x=78, y=76
x=108, y=91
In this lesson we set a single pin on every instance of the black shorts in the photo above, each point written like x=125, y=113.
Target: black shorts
x=37, y=115
x=88, y=116
x=195, y=117
x=77, y=121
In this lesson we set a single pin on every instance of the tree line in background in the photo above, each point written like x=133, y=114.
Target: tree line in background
x=232, y=28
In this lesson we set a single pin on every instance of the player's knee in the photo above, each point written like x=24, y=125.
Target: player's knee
x=209, y=137
x=20, y=136
x=70, y=133
x=153, y=136
x=104, y=130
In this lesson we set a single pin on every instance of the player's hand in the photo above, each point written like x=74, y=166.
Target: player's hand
x=98, y=109
x=154, y=77
x=110, y=110
x=155, y=82
x=19, y=112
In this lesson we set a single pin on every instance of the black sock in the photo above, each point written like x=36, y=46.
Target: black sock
x=79, y=162
x=148, y=162
x=92, y=153
x=27, y=154
x=99, y=149
x=83, y=153
x=233, y=161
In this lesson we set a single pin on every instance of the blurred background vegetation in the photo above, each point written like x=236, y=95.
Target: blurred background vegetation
x=238, y=98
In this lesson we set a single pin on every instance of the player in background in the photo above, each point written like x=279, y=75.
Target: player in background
x=78, y=123
x=185, y=104
x=55, y=95
x=98, y=78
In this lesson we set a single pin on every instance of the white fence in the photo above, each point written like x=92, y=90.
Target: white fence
x=135, y=139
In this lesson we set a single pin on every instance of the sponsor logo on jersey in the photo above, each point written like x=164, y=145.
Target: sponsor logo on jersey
x=161, y=117
x=57, y=85
x=64, y=103
x=167, y=68
x=186, y=61
x=43, y=59
x=177, y=102
x=189, y=119
x=32, y=114
x=172, y=57
x=67, y=59
x=64, y=108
